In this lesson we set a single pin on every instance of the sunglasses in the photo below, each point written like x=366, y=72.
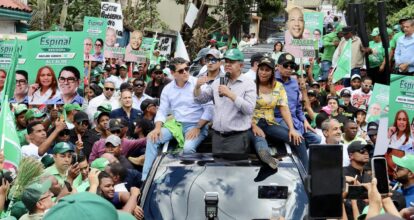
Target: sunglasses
x=181, y=71
x=368, y=86
x=212, y=60
x=362, y=151
x=139, y=85
x=291, y=65
x=109, y=89
x=84, y=123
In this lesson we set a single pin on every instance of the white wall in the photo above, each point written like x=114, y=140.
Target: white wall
x=7, y=27
x=171, y=14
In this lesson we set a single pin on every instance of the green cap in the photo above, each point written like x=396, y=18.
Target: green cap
x=125, y=216
x=32, y=194
x=407, y=161
x=19, y=109
x=61, y=148
x=70, y=107
x=82, y=205
x=375, y=32
x=105, y=108
x=17, y=210
x=365, y=212
x=100, y=163
x=397, y=28
x=338, y=28
x=234, y=54
x=47, y=160
x=33, y=113
x=99, y=113
x=389, y=31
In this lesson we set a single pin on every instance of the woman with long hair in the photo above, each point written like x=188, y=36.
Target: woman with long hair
x=277, y=50
x=399, y=133
x=270, y=95
x=45, y=86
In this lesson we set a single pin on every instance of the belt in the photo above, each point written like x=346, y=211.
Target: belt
x=229, y=133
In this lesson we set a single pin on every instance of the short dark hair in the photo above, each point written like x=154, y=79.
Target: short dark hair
x=31, y=125
x=366, y=78
x=102, y=175
x=139, y=80
x=100, y=40
x=176, y=61
x=118, y=170
x=71, y=69
x=23, y=73
x=348, y=122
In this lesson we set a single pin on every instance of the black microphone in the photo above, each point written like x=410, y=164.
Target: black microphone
x=224, y=80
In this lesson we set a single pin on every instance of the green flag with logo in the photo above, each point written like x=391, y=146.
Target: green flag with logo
x=9, y=140
x=343, y=66
x=10, y=83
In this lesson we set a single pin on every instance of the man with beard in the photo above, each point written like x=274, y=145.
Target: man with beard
x=355, y=83
x=349, y=136
x=362, y=96
x=139, y=95
x=404, y=174
x=69, y=81
x=158, y=83
x=358, y=155
x=20, y=93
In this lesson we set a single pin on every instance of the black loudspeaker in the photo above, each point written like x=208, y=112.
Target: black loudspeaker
x=382, y=18
x=361, y=28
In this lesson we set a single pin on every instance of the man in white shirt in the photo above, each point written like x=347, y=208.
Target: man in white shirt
x=107, y=97
x=123, y=76
x=362, y=96
x=39, y=142
x=139, y=95
x=254, y=62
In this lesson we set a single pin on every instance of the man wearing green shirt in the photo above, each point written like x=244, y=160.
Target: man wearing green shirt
x=62, y=169
x=330, y=42
x=19, y=112
x=376, y=58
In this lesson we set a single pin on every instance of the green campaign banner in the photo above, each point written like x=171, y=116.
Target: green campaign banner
x=313, y=25
x=138, y=48
x=343, y=66
x=49, y=54
x=95, y=33
x=401, y=114
x=378, y=103
x=6, y=50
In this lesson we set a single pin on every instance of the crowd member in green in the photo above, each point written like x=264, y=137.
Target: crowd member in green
x=376, y=58
x=19, y=112
x=330, y=43
x=37, y=198
x=62, y=169
x=398, y=34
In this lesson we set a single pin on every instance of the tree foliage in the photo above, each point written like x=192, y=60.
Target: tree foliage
x=406, y=12
x=143, y=15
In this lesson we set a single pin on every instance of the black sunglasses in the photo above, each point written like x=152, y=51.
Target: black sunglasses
x=291, y=65
x=181, y=71
x=212, y=60
x=362, y=151
x=109, y=89
x=139, y=85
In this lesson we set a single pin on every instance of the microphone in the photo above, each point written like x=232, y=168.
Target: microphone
x=224, y=80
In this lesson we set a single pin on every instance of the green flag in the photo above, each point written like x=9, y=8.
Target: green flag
x=9, y=140
x=234, y=41
x=343, y=66
x=10, y=83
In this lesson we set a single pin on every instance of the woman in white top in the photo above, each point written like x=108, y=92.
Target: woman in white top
x=44, y=88
x=277, y=50
x=399, y=133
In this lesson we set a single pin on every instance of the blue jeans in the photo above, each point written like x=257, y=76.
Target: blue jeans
x=280, y=132
x=190, y=146
x=325, y=66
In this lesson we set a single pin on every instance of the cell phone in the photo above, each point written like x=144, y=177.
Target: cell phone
x=326, y=181
x=379, y=171
x=272, y=192
x=357, y=192
x=74, y=158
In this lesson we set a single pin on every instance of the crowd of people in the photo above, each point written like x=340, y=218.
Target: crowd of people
x=107, y=145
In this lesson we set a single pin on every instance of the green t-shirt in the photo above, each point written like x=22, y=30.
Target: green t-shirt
x=329, y=47
x=22, y=137
x=378, y=54
x=52, y=170
x=393, y=41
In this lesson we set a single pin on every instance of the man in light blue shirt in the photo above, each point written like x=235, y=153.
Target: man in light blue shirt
x=177, y=99
x=404, y=51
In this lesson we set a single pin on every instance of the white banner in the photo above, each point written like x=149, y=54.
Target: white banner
x=113, y=12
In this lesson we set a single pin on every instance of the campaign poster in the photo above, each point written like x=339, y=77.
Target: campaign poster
x=298, y=40
x=378, y=103
x=6, y=50
x=56, y=64
x=313, y=26
x=138, y=48
x=113, y=13
x=93, y=44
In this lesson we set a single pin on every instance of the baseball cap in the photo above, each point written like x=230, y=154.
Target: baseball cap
x=34, y=113
x=372, y=128
x=61, y=148
x=356, y=76
x=347, y=29
x=256, y=57
x=100, y=163
x=113, y=139
x=105, y=108
x=135, y=70
x=82, y=205
x=345, y=92
x=389, y=31
x=98, y=114
x=234, y=54
x=286, y=58
x=80, y=116
x=123, y=66
x=268, y=62
x=396, y=28
x=125, y=215
x=375, y=32
x=33, y=193
x=70, y=107
x=361, y=108
x=407, y=161
x=157, y=68
x=47, y=160
x=327, y=110
x=144, y=104
x=357, y=146
x=201, y=54
x=108, y=67
x=314, y=83
x=215, y=53
x=20, y=108
x=311, y=92
x=117, y=124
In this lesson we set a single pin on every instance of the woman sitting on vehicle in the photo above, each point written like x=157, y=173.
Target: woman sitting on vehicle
x=44, y=88
x=270, y=95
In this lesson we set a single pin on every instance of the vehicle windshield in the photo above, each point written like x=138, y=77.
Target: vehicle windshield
x=177, y=191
